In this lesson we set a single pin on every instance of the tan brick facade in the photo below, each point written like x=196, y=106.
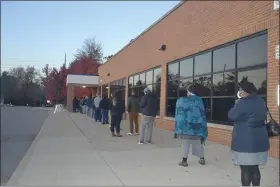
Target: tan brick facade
x=196, y=26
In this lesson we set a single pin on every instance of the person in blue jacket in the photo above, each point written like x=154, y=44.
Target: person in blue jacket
x=191, y=125
x=250, y=141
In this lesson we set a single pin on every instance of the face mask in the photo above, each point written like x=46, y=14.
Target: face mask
x=238, y=94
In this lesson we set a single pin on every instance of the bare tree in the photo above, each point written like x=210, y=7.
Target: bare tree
x=90, y=50
x=46, y=71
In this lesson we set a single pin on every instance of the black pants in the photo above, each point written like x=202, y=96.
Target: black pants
x=116, y=123
x=250, y=174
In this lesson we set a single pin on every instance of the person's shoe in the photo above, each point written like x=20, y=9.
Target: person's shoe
x=183, y=163
x=118, y=135
x=103, y=123
x=129, y=134
x=201, y=161
x=149, y=142
x=113, y=134
x=140, y=143
x=136, y=134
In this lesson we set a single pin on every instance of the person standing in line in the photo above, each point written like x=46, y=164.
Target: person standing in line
x=77, y=104
x=133, y=108
x=93, y=107
x=117, y=111
x=82, y=105
x=86, y=105
x=104, y=107
x=250, y=141
x=191, y=125
x=89, y=105
x=74, y=102
x=149, y=109
x=97, y=114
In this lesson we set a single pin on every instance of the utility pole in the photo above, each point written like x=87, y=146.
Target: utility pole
x=65, y=59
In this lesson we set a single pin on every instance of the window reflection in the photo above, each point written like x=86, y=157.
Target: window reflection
x=142, y=79
x=183, y=86
x=171, y=107
x=156, y=89
x=207, y=107
x=157, y=75
x=224, y=58
x=257, y=77
x=172, y=89
x=186, y=68
x=149, y=77
x=221, y=106
x=202, y=64
x=224, y=84
x=252, y=52
x=136, y=80
x=130, y=81
x=173, y=71
x=203, y=85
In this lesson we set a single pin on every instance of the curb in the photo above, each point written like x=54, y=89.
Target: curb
x=13, y=181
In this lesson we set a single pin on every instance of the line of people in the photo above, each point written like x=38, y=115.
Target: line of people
x=250, y=140
x=96, y=107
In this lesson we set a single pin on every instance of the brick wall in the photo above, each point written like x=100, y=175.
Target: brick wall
x=193, y=27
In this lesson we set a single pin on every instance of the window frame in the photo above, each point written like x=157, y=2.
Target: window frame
x=236, y=69
x=146, y=85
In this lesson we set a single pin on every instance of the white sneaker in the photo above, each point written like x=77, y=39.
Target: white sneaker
x=129, y=134
x=140, y=143
x=136, y=134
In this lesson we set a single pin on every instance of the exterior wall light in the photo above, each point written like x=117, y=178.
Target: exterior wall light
x=162, y=48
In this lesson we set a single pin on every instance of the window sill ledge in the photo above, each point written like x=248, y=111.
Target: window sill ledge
x=213, y=125
x=142, y=115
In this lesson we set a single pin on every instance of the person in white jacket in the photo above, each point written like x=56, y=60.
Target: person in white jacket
x=97, y=114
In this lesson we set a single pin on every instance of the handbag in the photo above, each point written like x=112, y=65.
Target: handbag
x=273, y=128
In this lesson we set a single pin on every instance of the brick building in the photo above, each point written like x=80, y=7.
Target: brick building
x=213, y=44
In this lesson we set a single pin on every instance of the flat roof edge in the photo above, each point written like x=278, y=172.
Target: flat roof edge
x=146, y=30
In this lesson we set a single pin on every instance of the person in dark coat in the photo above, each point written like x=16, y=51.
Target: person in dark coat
x=148, y=105
x=105, y=106
x=74, y=104
x=250, y=141
x=117, y=110
x=133, y=109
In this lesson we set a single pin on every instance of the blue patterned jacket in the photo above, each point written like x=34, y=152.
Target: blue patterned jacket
x=190, y=117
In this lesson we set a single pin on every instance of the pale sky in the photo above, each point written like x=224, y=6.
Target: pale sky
x=37, y=33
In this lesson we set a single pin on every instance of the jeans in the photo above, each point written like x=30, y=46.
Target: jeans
x=97, y=114
x=116, y=123
x=105, y=115
x=85, y=109
x=93, y=113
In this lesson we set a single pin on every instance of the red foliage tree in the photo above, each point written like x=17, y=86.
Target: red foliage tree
x=87, y=60
x=62, y=76
x=84, y=67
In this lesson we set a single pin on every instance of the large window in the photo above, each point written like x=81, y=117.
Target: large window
x=215, y=74
x=118, y=85
x=150, y=79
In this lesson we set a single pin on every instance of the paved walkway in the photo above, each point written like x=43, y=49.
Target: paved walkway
x=71, y=149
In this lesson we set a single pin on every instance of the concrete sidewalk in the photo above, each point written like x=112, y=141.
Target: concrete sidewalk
x=71, y=149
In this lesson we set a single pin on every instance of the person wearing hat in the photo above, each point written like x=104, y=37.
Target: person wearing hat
x=191, y=125
x=250, y=141
x=148, y=107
